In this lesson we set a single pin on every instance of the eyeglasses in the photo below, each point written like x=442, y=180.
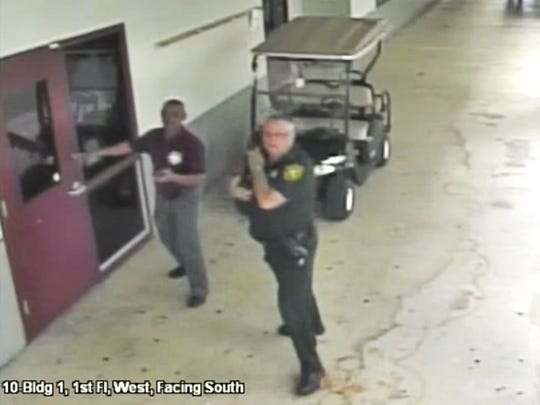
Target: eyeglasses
x=275, y=134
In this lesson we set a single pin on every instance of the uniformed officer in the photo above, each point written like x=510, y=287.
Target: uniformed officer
x=279, y=198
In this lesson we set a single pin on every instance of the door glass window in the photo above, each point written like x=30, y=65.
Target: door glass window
x=99, y=111
x=30, y=132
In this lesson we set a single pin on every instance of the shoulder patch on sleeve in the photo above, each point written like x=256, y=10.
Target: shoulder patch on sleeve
x=293, y=172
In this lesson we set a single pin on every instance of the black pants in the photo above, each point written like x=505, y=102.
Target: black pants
x=297, y=303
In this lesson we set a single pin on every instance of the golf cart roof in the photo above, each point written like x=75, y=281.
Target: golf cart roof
x=330, y=38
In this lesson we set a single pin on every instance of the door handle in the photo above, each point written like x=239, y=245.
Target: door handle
x=77, y=189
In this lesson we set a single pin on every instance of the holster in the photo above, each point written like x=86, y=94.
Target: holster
x=295, y=249
x=295, y=243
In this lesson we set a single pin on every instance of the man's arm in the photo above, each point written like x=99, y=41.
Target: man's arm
x=120, y=149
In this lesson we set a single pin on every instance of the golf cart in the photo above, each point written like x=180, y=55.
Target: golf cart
x=314, y=78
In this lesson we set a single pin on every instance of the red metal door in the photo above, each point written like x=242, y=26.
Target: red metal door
x=48, y=232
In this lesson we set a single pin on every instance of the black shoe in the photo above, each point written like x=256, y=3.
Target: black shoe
x=177, y=272
x=284, y=331
x=195, y=301
x=309, y=382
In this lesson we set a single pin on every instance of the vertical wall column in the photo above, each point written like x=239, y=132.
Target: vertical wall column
x=360, y=8
x=345, y=8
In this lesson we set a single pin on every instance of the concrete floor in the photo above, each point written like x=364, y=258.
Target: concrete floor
x=430, y=292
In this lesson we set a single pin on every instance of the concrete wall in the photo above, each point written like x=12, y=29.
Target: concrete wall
x=224, y=129
x=11, y=329
x=353, y=8
x=326, y=7
x=295, y=8
x=359, y=8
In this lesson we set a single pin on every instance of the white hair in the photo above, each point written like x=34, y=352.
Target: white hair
x=289, y=124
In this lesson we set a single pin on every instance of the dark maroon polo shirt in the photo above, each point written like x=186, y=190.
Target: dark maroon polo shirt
x=183, y=154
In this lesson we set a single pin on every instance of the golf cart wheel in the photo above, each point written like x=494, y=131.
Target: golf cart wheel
x=385, y=151
x=339, y=198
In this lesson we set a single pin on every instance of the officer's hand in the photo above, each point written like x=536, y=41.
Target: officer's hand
x=237, y=192
x=255, y=158
x=233, y=185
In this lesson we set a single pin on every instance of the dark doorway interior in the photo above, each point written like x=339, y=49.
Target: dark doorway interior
x=101, y=110
x=275, y=14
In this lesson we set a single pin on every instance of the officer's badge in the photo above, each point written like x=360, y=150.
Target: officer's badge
x=293, y=172
x=174, y=158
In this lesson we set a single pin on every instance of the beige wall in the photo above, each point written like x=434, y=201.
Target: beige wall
x=353, y=8
x=326, y=7
x=360, y=8
x=294, y=8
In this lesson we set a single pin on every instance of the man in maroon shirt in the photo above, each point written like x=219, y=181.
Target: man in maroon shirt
x=178, y=158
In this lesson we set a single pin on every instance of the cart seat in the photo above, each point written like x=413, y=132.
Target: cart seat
x=305, y=123
x=358, y=128
x=361, y=96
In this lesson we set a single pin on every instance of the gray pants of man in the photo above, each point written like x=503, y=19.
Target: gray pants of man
x=177, y=224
